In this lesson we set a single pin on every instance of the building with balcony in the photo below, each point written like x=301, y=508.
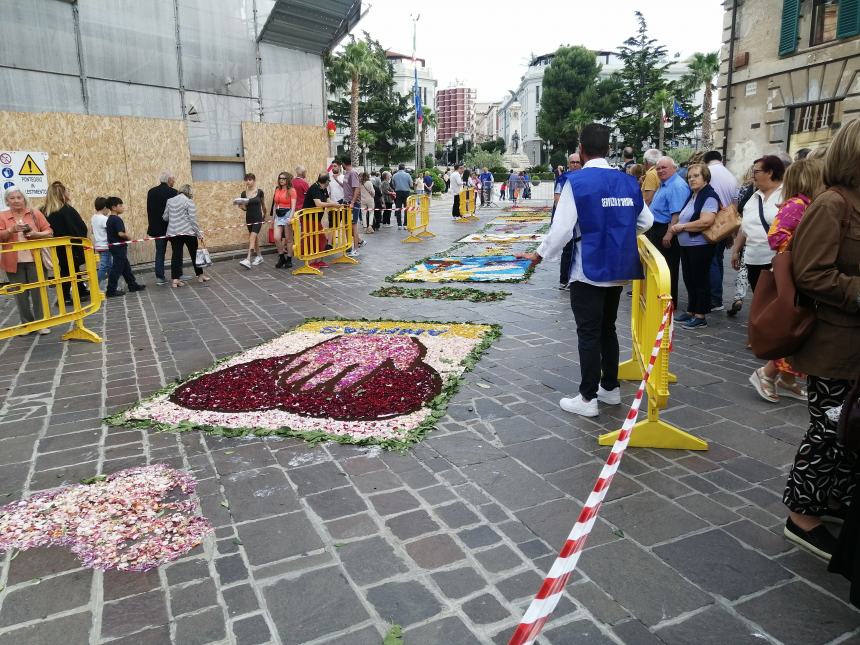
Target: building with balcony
x=404, y=82
x=486, y=126
x=788, y=77
x=455, y=111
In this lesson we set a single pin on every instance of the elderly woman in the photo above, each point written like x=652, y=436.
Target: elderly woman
x=697, y=214
x=180, y=213
x=826, y=265
x=758, y=214
x=17, y=224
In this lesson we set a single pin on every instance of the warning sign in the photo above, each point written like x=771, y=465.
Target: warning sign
x=30, y=167
x=26, y=170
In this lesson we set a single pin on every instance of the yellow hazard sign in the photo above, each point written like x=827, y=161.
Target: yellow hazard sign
x=30, y=167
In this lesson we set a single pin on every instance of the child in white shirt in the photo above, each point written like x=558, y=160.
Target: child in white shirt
x=100, y=240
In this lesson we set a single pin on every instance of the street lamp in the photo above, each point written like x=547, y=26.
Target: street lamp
x=458, y=141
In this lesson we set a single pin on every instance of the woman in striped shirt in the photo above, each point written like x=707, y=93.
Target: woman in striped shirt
x=183, y=230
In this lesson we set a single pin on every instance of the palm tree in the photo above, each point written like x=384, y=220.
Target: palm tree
x=703, y=69
x=576, y=119
x=660, y=101
x=360, y=59
x=429, y=121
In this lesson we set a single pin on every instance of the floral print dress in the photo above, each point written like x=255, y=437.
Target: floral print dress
x=779, y=237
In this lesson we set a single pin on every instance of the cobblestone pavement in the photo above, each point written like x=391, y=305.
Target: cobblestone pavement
x=332, y=544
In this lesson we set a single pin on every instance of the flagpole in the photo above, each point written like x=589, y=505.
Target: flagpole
x=415, y=88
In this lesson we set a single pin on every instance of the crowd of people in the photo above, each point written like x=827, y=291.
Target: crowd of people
x=809, y=205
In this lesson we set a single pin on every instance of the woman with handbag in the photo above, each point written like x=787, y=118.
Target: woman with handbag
x=283, y=208
x=803, y=182
x=66, y=221
x=826, y=267
x=758, y=214
x=18, y=224
x=697, y=214
x=368, y=197
x=180, y=213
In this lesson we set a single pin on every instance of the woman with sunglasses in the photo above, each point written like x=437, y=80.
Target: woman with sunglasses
x=283, y=208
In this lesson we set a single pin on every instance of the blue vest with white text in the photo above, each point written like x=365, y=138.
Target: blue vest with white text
x=608, y=204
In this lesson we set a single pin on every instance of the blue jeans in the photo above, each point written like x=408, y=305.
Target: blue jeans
x=105, y=263
x=717, y=274
x=160, y=252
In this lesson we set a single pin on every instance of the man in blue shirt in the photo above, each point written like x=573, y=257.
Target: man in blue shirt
x=666, y=205
x=486, y=178
x=402, y=184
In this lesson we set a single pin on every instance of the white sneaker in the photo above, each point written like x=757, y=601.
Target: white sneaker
x=578, y=405
x=257, y=260
x=352, y=253
x=45, y=331
x=245, y=263
x=609, y=397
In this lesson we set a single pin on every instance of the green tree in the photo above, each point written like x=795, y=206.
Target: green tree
x=658, y=105
x=495, y=145
x=573, y=71
x=703, y=70
x=359, y=59
x=479, y=158
x=640, y=80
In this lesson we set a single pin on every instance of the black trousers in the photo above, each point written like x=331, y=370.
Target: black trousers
x=386, y=214
x=176, y=244
x=754, y=271
x=400, y=197
x=595, y=310
x=696, y=267
x=120, y=267
x=564, y=266
x=455, y=209
x=672, y=255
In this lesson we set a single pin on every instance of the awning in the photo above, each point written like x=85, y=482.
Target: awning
x=313, y=26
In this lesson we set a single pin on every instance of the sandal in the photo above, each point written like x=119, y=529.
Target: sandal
x=765, y=386
x=737, y=305
x=203, y=278
x=792, y=390
x=177, y=283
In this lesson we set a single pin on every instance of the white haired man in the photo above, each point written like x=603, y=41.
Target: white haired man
x=650, y=183
x=156, y=202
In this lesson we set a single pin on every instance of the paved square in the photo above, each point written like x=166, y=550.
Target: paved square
x=450, y=538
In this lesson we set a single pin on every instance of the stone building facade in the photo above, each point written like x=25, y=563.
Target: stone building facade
x=793, y=76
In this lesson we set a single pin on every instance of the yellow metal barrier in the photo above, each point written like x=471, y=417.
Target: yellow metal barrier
x=650, y=297
x=314, y=242
x=417, y=218
x=46, y=283
x=467, y=205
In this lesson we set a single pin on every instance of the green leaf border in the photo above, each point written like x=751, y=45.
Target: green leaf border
x=438, y=405
x=467, y=293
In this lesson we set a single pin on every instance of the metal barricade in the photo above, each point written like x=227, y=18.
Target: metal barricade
x=467, y=205
x=49, y=286
x=417, y=218
x=313, y=242
x=651, y=295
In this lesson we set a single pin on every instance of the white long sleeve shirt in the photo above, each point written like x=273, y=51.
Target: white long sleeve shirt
x=565, y=222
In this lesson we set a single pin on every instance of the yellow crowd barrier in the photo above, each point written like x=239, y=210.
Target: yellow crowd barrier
x=467, y=205
x=48, y=286
x=650, y=297
x=417, y=218
x=311, y=237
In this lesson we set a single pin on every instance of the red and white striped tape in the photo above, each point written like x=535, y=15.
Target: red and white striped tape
x=231, y=226
x=553, y=585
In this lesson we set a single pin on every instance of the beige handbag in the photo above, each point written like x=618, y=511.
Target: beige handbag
x=726, y=223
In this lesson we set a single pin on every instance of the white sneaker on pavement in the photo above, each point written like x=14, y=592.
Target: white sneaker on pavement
x=245, y=263
x=257, y=260
x=609, y=397
x=577, y=405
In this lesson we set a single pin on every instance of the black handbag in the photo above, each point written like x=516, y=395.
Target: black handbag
x=848, y=428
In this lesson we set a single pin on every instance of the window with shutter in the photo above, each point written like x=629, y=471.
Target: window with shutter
x=788, y=29
x=849, y=19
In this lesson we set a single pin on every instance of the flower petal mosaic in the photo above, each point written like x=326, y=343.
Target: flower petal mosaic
x=354, y=381
x=488, y=268
x=121, y=521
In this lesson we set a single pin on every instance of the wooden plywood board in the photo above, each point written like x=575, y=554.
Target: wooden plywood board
x=271, y=148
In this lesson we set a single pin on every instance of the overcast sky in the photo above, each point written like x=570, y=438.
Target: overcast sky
x=487, y=45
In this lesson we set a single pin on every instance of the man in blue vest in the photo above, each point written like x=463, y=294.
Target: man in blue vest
x=603, y=212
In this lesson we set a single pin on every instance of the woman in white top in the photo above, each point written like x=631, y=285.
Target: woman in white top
x=180, y=213
x=758, y=214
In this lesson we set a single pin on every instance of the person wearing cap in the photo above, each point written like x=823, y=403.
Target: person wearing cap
x=603, y=212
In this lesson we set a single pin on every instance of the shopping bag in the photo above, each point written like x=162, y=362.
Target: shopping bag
x=203, y=258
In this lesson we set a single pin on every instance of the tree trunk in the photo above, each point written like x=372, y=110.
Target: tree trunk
x=662, y=130
x=706, y=118
x=353, y=120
